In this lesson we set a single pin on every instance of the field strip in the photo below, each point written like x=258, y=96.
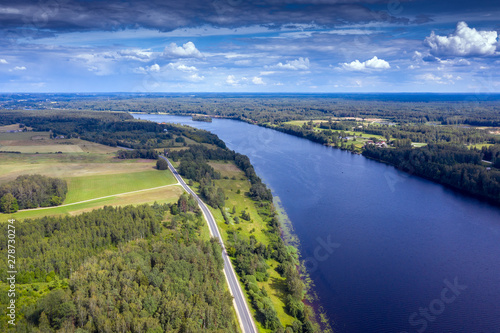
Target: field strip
x=108, y=196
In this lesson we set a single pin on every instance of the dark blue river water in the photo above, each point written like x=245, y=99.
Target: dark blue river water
x=388, y=252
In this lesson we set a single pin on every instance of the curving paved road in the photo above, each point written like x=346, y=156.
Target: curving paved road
x=242, y=311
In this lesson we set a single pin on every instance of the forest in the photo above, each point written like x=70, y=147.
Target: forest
x=120, y=270
x=32, y=191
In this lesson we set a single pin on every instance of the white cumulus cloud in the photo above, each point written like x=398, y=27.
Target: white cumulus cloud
x=135, y=54
x=258, y=80
x=196, y=78
x=444, y=79
x=187, y=50
x=151, y=69
x=19, y=68
x=182, y=67
x=298, y=64
x=231, y=79
x=373, y=63
x=3, y=61
x=463, y=42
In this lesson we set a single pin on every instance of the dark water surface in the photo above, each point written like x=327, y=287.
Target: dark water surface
x=388, y=252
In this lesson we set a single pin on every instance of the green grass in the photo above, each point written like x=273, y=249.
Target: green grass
x=44, y=149
x=418, y=144
x=481, y=145
x=23, y=136
x=164, y=195
x=10, y=158
x=90, y=187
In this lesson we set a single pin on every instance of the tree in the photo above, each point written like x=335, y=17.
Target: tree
x=8, y=204
x=55, y=201
x=161, y=164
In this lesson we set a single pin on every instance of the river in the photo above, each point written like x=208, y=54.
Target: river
x=387, y=251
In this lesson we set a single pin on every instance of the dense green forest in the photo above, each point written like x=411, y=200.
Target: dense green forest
x=32, y=191
x=120, y=270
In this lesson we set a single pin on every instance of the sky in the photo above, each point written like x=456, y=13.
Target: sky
x=306, y=46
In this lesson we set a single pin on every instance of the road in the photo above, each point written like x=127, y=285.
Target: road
x=242, y=311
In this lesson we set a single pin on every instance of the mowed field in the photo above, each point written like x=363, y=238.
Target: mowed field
x=96, y=186
x=41, y=143
x=167, y=194
x=94, y=175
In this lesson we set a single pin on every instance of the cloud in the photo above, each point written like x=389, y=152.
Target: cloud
x=258, y=80
x=3, y=61
x=231, y=79
x=444, y=79
x=455, y=62
x=114, y=15
x=19, y=68
x=243, y=62
x=373, y=63
x=301, y=63
x=151, y=69
x=463, y=42
x=196, y=78
x=182, y=67
x=136, y=54
x=187, y=50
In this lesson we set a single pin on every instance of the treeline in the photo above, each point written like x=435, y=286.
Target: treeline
x=137, y=153
x=168, y=283
x=61, y=244
x=276, y=108
x=455, y=166
x=108, y=128
x=32, y=191
x=193, y=165
x=492, y=154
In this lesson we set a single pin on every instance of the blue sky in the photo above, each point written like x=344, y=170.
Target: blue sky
x=249, y=46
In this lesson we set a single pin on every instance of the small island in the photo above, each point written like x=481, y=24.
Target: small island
x=206, y=119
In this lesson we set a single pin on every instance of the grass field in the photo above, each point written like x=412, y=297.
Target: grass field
x=481, y=145
x=96, y=186
x=43, y=149
x=418, y=144
x=40, y=142
x=25, y=136
x=69, y=167
x=166, y=194
x=92, y=175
